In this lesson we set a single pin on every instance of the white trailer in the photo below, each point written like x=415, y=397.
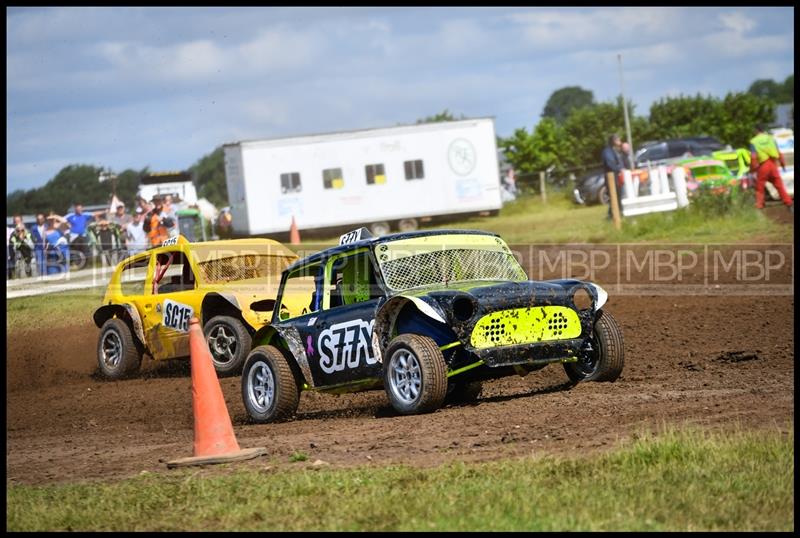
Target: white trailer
x=387, y=178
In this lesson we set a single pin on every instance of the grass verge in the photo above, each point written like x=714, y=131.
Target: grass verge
x=688, y=480
x=55, y=309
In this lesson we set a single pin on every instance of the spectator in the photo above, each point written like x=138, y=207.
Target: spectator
x=613, y=163
x=56, y=245
x=142, y=203
x=9, y=265
x=154, y=226
x=78, y=222
x=626, y=156
x=22, y=244
x=225, y=223
x=121, y=219
x=764, y=154
x=170, y=217
x=39, y=233
x=136, y=236
x=107, y=238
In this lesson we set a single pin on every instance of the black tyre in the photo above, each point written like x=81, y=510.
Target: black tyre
x=229, y=342
x=414, y=374
x=608, y=357
x=119, y=354
x=269, y=388
x=459, y=392
x=603, y=196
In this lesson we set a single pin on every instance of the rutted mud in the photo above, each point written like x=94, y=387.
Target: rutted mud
x=720, y=362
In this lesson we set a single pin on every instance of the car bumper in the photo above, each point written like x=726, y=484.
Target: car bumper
x=535, y=353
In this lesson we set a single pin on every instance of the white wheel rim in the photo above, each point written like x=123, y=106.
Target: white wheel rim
x=260, y=386
x=405, y=376
x=222, y=344
x=111, y=349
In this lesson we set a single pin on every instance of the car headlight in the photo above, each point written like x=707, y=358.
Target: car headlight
x=602, y=296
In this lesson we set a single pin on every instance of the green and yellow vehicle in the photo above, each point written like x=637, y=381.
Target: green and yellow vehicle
x=426, y=316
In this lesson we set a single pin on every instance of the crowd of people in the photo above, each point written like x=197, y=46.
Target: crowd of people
x=55, y=243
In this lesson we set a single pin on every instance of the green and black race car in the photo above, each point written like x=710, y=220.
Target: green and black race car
x=427, y=316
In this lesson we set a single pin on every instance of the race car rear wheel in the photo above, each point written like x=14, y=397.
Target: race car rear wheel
x=229, y=343
x=269, y=388
x=415, y=374
x=118, y=353
x=607, y=358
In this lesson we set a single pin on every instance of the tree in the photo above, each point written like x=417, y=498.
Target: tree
x=208, y=175
x=676, y=117
x=765, y=87
x=445, y=115
x=565, y=100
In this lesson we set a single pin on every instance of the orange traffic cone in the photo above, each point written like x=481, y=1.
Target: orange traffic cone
x=294, y=233
x=214, y=441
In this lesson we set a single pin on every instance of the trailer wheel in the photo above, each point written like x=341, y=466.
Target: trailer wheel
x=408, y=225
x=379, y=228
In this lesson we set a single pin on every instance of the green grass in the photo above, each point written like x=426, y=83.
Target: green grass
x=56, y=309
x=676, y=481
x=528, y=220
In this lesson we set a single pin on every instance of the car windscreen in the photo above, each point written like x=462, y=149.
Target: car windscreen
x=442, y=259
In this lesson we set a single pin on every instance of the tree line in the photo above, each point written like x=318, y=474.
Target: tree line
x=569, y=137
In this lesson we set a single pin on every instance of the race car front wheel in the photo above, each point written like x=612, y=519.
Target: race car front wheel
x=118, y=353
x=607, y=357
x=415, y=374
x=229, y=343
x=269, y=388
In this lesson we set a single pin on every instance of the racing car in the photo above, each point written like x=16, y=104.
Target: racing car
x=229, y=285
x=427, y=316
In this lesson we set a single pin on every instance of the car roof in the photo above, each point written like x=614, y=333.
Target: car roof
x=328, y=252
x=208, y=250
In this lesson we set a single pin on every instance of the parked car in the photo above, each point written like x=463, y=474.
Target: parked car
x=426, y=316
x=229, y=285
x=591, y=188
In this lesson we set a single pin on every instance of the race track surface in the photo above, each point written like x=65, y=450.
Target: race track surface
x=721, y=362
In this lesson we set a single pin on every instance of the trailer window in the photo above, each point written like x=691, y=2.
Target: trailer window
x=332, y=178
x=414, y=170
x=375, y=174
x=290, y=182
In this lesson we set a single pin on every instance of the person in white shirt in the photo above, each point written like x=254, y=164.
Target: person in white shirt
x=137, y=238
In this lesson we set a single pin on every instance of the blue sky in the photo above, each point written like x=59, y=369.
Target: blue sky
x=161, y=87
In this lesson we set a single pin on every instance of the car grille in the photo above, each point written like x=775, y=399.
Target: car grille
x=525, y=326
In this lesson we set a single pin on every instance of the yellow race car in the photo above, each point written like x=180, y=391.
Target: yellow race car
x=229, y=285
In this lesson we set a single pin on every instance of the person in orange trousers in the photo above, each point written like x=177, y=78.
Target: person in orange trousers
x=764, y=156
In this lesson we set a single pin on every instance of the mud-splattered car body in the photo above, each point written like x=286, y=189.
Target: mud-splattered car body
x=229, y=285
x=463, y=291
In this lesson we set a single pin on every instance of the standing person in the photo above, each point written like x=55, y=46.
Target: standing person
x=764, y=154
x=626, y=156
x=121, y=219
x=169, y=216
x=612, y=162
x=22, y=243
x=56, y=245
x=153, y=226
x=136, y=236
x=39, y=233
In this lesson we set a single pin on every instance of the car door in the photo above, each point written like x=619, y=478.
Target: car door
x=338, y=337
x=174, y=300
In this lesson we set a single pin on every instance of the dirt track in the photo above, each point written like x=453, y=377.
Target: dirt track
x=711, y=361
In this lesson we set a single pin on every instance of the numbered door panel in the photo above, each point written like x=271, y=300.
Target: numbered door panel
x=173, y=301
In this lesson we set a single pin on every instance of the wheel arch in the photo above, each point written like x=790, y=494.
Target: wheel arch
x=288, y=341
x=124, y=311
x=399, y=310
x=222, y=304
